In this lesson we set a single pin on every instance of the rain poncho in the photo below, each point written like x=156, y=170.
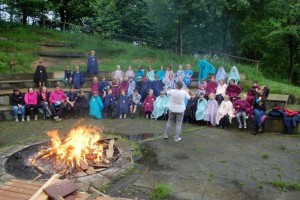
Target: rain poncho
x=234, y=74
x=201, y=108
x=160, y=106
x=221, y=74
x=211, y=111
x=188, y=74
x=160, y=74
x=96, y=107
x=205, y=68
x=224, y=109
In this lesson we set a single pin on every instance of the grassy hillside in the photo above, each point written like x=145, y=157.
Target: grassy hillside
x=23, y=43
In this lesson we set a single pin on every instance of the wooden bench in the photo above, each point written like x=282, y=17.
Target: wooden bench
x=277, y=100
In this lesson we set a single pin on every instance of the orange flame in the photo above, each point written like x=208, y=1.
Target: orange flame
x=80, y=147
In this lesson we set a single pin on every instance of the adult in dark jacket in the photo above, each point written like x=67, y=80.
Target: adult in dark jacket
x=40, y=75
x=81, y=104
x=18, y=103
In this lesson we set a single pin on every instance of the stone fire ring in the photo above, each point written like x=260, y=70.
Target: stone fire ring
x=120, y=166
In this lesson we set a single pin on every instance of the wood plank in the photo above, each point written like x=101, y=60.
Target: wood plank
x=9, y=198
x=278, y=97
x=18, y=190
x=14, y=194
x=110, y=150
x=27, y=182
x=22, y=185
x=62, y=188
x=40, y=195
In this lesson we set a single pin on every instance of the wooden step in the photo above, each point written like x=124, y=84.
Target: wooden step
x=61, y=54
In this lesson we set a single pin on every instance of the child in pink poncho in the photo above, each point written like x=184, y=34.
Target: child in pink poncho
x=211, y=111
x=225, y=113
x=148, y=103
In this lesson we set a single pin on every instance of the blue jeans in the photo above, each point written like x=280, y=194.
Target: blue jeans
x=257, y=115
x=16, y=111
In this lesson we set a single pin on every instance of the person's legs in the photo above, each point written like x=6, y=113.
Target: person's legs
x=53, y=110
x=169, y=124
x=60, y=110
x=245, y=119
x=238, y=115
x=15, y=111
x=179, y=118
x=23, y=112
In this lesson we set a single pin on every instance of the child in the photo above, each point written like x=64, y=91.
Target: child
x=201, y=109
x=123, y=105
x=118, y=73
x=188, y=74
x=148, y=104
x=191, y=108
x=225, y=113
x=95, y=86
x=139, y=84
x=160, y=73
x=234, y=74
x=124, y=84
x=115, y=87
x=211, y=86
x=71, y=98
x=170, y=83
x=159, y=106
x=57, y=99
x=30, y=99
x=131, y=86
x=81, y=104
x=18, y=103
x=233, y=90
x=211, y=111
x=157, y=86
x=252, y=92
x=221, y=74
x=201, y=87
x=78, y=78
x=68, y=77
x=103, y=85
x=96, y=106
x=129, y=73
x=135, y=102
x=180, y=78
x=242, y=108
x=139, y=73
x=167, y=74
x=221, y=90
x=92, y=65
x=150, y=74
x=109, y=103
x=180, y=72
x=40, y=75
x=259, y=109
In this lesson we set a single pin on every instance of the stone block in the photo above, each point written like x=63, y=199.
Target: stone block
x=6, y=177
x=111, y=172
x=84, y=186
x=97, y=183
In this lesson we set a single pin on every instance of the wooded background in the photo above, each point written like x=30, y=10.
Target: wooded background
x=264, y=30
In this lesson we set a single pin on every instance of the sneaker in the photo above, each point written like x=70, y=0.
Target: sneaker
x=59, y=119
x=131, y=116
x=254, y=132
x=124, y=115
x=23, y=119
x=17, y=120
x=28, y=118
x=146, y=116
x=166, y=137
x=260, y=129
x=36, y=117
x=120, y=116
x=240, y=126
x=56, y=118
x=245, y=125
x=177, y=139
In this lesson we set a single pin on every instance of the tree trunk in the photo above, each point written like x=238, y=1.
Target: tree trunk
x=292, y=56
x=179, y=39
x=225, y=30
x=25, y=15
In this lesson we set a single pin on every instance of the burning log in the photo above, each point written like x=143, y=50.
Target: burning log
x=110, y=151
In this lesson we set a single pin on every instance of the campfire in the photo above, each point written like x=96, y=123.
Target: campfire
x=83, y=152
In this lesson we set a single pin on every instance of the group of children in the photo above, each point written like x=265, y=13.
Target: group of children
x=213, y=103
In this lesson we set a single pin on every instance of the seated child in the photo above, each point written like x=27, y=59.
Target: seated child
x=211, y=86
x=139, y=84
x=225, y=113
x=211, y=111
x=135, y=102
x=233, y=90
x=103, y=85
x=157, y=86
x=129, y=73
x=169, y=83
x=160, y=106
x=81, y=105
x=95, y=86
x=109, y=103
x=123, y=105
x=188, y=74
x=191, y=108
x=180, y=72
x=118, y=73
x=71, y=99
x=221, y=90
x=115, y=87
x=96, y=106
x=201, y=87
x=68, y=77
x=131, y=87
x=148, y=104
x=201, y=108
x=124, y=84
x=252, y=92
x=242, y=108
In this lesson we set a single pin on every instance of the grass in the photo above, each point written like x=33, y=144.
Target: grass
x=283, y=186
x=265, y=156
x=23, y=43
x=161, y=191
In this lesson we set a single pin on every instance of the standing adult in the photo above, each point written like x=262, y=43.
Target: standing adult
x=40, y=75
x=92, y=65
x=176, y=109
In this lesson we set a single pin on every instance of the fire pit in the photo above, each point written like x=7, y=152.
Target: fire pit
x=83, y=152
